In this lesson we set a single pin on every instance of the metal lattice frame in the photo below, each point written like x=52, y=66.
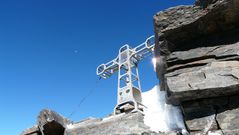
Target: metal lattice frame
x=126, y=63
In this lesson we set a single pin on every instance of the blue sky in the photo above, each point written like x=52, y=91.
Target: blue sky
x=49, y=51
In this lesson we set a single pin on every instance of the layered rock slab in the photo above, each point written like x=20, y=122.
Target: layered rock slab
x=197, y=50
x=202, y=72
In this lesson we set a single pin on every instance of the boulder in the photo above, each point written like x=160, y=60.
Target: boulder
x=51, y=122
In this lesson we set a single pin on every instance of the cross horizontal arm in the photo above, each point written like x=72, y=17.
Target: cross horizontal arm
x=140, y=52
x=106, y=70
x=144, y=49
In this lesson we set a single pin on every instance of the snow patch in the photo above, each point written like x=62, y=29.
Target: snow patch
x=211, y=133
x=160, y=116
x=70, y=126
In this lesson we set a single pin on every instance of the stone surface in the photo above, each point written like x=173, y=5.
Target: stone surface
x=183, y=25
x=131, y=123
x=220, y=114
x=231, y=132
x=48, y=123
x=197, y=50
x=32, y=131
x=215, y=79
x=229, y=119
x=204, y=3
x=197, y=53
x=216, y=132
x=200, y=118
x=51, y=122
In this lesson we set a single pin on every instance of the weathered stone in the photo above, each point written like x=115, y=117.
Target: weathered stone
x=193, y=60
x=131, y=123
x=229, y=119
x=204, y=3
x=216, y=79
x=51, y=122
x=212, y=115
x=172, y=133
x=32, y=131
x=218, y=132
x=202, y=53
x=190, y=39
x=200, y=118
x=183, y=25
x=231, y=132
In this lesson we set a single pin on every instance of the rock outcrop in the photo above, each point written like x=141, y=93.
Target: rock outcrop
x=197, y=52
x=48, y=123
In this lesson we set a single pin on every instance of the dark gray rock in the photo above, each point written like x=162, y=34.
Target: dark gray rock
x=201, y=72
x=200, y=118
x=184, y=62
x=212, y=115
x=193, y=60
x=197, y=52
x=215, y=79
x=183, y=26
x=204, y=3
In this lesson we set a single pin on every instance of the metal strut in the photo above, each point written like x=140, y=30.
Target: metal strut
x=126, y=64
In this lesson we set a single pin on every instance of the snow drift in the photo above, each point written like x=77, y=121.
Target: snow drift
x=160, y=116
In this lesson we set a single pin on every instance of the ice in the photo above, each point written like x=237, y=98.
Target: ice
x=160, y=116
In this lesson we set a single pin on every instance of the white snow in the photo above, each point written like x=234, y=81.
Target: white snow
x=159, y=116
x=211, y=133
x=70, y=126
x=154, y=61
x=113, y=117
